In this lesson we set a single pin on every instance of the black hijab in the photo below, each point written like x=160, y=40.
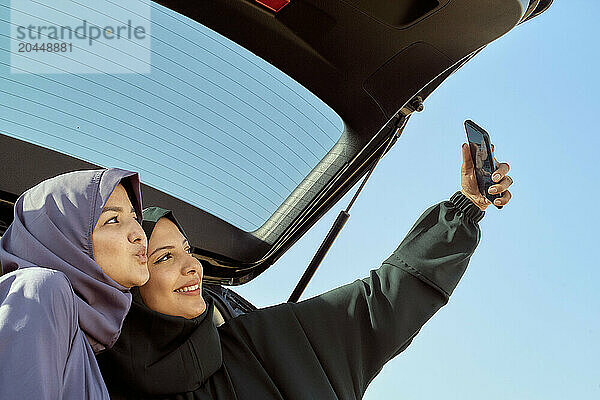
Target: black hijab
x=151, y=215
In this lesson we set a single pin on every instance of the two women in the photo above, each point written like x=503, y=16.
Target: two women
x=76, y=248
x=68, y=260
x=327, y=347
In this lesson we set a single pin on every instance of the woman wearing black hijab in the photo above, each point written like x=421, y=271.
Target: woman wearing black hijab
x=327, y=347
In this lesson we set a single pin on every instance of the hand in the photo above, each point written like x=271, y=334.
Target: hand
x=469, y=182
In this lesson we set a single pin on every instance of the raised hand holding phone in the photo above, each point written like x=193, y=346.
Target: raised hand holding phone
x=484, y=180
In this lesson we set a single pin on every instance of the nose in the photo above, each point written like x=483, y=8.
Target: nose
x=191, y=266
x=136, y=233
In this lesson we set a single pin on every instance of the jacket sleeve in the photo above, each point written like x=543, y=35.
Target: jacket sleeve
x=37, y=320
x=357, y=328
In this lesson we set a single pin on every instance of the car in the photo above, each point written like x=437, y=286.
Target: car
x=319, y=92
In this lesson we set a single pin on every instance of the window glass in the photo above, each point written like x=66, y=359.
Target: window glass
x=211, y=124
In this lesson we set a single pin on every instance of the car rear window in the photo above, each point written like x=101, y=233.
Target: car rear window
x=211, y=124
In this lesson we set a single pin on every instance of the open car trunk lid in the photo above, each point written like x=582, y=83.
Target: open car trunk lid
x=366, y=60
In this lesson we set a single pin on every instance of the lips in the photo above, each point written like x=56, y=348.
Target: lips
x=190, y=287
x=141, y=255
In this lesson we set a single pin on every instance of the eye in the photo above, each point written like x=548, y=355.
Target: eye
x=188, y=250
x=113, y=220
x=163, y=258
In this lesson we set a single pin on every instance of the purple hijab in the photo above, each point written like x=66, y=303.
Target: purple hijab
x=52, y=228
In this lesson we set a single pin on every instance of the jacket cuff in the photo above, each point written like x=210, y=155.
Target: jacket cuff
x=463, y=203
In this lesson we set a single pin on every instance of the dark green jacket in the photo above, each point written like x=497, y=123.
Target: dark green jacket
x=328, y=347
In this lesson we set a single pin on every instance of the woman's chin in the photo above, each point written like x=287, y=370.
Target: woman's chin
x=196, y=310
x=137, y=276
x=142, y=277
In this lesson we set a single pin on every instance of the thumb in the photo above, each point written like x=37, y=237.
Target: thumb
x=467, y=165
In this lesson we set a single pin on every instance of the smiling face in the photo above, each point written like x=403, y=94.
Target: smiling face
x=119, y=241
x=175, y=284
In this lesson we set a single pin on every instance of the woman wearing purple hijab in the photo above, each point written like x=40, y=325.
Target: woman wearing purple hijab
x=69, y=258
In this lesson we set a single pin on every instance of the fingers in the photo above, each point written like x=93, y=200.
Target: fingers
x=501, y=186
x=501, y=172
x=467, y=164
x=504, y=199
x=499, y=177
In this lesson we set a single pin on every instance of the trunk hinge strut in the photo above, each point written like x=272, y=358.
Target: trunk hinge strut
x=415, y=105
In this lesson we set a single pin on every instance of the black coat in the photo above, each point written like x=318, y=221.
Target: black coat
x=327, y=347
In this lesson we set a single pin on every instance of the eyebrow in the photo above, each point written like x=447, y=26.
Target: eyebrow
x=161, y=248
x=116, y=209
x=166, y=247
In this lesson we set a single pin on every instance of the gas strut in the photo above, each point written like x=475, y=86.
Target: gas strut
x=343, y=216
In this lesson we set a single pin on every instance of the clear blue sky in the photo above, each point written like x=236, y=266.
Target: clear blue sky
x=524, y=322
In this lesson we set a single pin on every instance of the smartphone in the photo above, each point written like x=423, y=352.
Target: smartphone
x=483, y=158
